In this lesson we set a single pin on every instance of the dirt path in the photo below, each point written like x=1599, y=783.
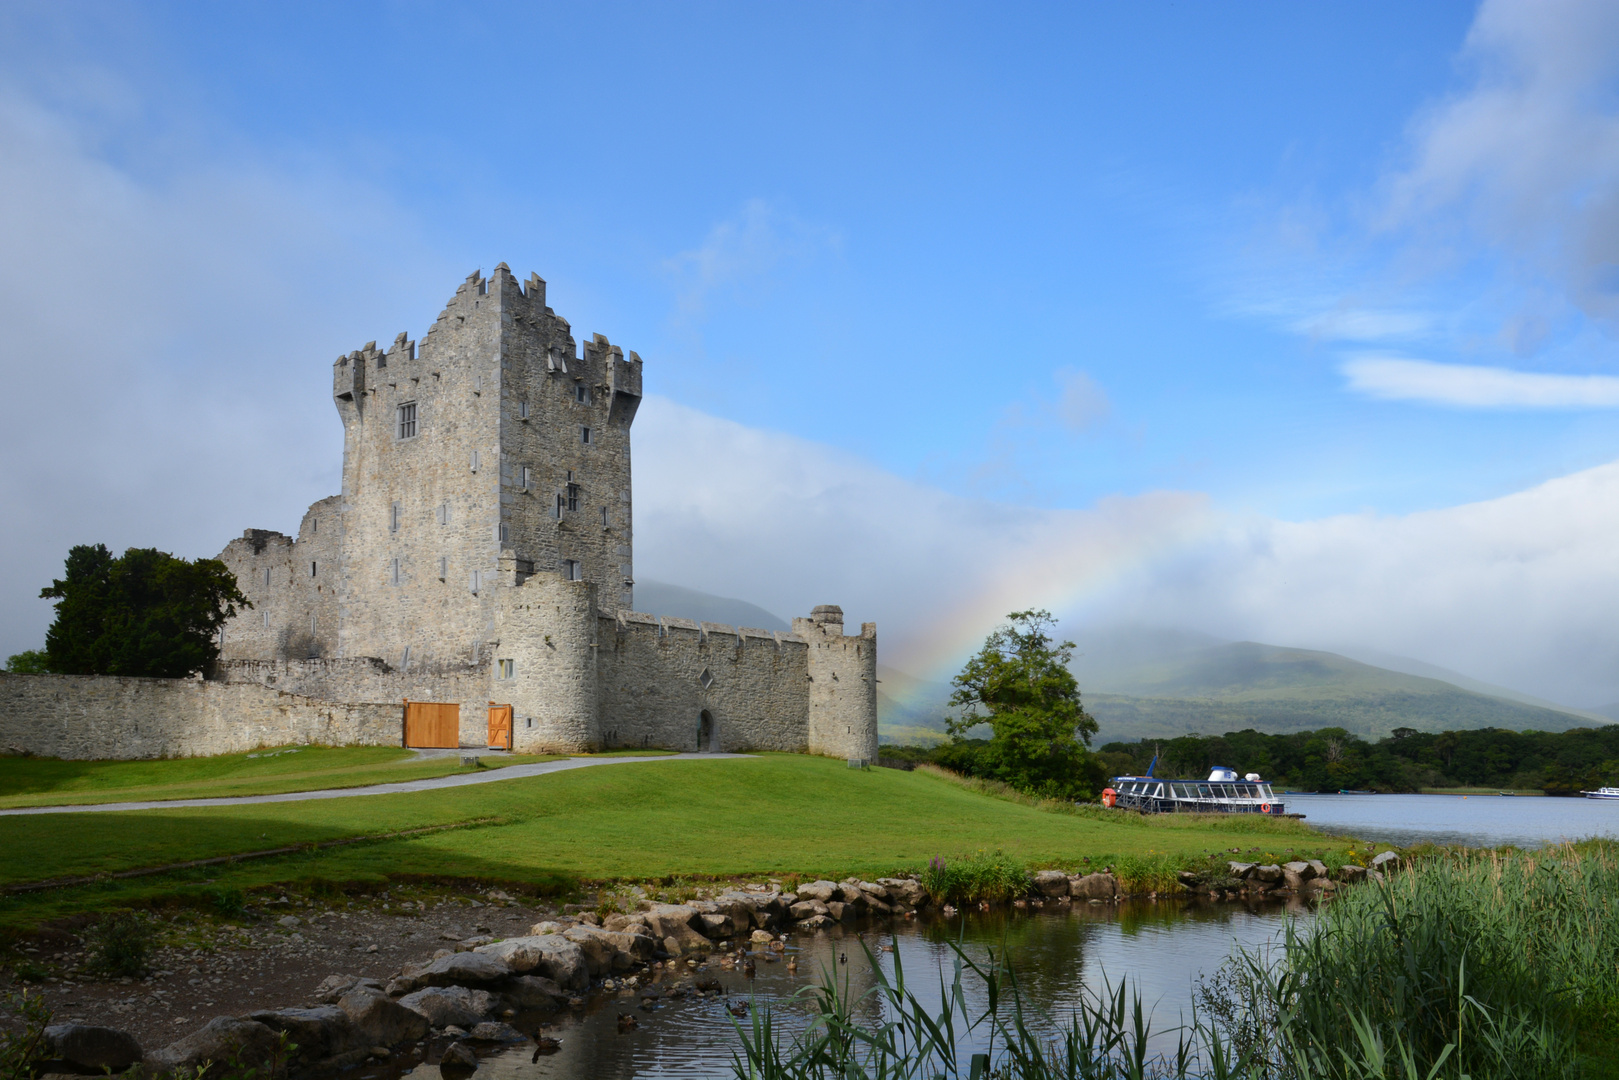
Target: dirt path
x=510, y=772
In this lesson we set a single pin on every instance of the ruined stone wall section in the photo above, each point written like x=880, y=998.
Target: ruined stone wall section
x=293, y=588
x=658, y=677
x=419, y=520
x=843, y=686
x=547, y=631
x=99, y=717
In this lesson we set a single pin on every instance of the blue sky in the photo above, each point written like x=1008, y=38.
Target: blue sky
x=1273, y=265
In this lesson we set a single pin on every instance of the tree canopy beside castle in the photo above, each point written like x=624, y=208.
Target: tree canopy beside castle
x=144, y=612
x=1019, y=684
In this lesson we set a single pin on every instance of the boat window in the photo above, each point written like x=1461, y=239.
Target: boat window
x=1160, y=792
x=1264, y=792
x=1203, y=790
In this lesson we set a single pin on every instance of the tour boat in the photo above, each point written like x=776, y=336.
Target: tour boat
x=1224, y=792
x=1602, y=793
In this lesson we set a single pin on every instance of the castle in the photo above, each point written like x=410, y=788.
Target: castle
x=481, y=555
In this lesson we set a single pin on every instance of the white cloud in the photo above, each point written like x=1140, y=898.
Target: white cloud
x=738, y=254
x=1081, y=402
x=1466, y=386
x=162, y=335
x=1518, y=591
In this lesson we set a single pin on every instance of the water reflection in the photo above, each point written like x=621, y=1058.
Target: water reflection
x=1162, y=947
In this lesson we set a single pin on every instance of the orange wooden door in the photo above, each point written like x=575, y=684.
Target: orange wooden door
x=500, y=727
x=432, y=725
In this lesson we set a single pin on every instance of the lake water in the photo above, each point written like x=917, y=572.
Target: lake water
x=1476, y=820
x=1161, y=948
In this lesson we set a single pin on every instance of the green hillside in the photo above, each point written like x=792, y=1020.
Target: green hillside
x=1161, y=688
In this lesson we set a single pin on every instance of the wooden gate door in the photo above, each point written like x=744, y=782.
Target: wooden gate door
x=500, y=727
x=432, y=725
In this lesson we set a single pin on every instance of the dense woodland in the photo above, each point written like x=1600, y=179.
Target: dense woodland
x=1331, y=759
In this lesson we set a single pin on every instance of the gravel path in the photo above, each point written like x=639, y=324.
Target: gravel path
x=510, y=772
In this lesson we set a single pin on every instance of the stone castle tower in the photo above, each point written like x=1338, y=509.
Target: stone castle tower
x=484, y=535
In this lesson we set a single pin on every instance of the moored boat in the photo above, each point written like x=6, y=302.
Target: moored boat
x=1224, y=792
x=1602, y=793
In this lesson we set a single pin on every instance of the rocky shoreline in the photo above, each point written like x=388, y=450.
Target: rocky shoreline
x=488, y=991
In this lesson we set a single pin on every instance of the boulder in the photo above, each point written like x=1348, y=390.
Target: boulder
x=618, y=921
x=1189, y=878
x=495, y=1031
x=1269, y=874
x=1317, y=868
x=1386, y=861
x=319, y=1033
x=446, y=1005
x=881, y=907
x=224, y=1040
x=716, y=925
x=91, y=1048
x=1295, y=874
x=1375, y=875
x=638, y=946
x=762, y=937
x=815, y=922
x=683, y=940
x=458, y=1060
x=532, y=992
x=840, y=911
x=850, y=893
x=663, y=919
x=1350, y=873
x=823, y=891
x=1240, y=869
x=381, y=1021
x=476, y=968
x=550, y=955
x=1051, y=883
x=335, y=986
x=876, y=890
x=808, y=909
x=599, y=953
x=1099, y=886
x=907, y=891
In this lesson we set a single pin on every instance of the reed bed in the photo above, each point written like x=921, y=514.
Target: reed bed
x=1468, y=965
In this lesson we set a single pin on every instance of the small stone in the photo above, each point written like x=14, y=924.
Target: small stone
x=370, y=948
x=289, y=920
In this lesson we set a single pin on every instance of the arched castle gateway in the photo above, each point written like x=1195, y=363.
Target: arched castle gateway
x=481, y=553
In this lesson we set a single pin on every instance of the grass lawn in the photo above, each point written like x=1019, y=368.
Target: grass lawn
x=53, y=782
x=773, y=814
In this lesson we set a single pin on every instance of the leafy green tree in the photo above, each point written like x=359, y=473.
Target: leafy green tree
x=28, y=662
x=1019, y=683
x=142, y=613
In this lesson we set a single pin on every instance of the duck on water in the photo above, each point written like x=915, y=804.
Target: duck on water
x=1224, y=792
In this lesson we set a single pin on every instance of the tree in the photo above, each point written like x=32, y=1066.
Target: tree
x=1019, y=683
x=28, y=662
x=142, y=613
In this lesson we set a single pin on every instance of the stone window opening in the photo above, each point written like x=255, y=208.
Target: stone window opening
x=581, y=393
x=604, y=517
x=508, y=669
x=267, y=620
x=407, y=420
x=266, y=577
x=561, y=504
x=444, y=513
x=522, y=410
x=475, y=461
x=503, y=532
x=393, y=573
x=706, y=679
x=571, y=570
x=573, y=495
x=584, y=435
x=443, y=567
x=404, y=659
x=524, y=477
x=475, y=581
x=314, y=525
x=705, y=732
x=311, y=569
x=393, y=518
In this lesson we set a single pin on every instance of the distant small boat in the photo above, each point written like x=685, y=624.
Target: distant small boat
x=1602, y=793
x=1346, y=791
x=1507, y=794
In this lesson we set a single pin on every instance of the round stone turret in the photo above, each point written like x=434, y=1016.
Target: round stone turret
x=827, y=613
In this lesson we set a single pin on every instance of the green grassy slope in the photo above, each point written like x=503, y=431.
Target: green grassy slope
x=52, y=782
x=776, y=813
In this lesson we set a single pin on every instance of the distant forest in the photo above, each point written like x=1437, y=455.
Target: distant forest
x=1331, y=759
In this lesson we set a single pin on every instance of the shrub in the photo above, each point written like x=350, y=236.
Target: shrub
x=993, y=878
x=120, y=944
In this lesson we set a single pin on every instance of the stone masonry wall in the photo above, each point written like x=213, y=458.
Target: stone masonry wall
x=659, y=676
x=843, y=685
x=83, y=717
